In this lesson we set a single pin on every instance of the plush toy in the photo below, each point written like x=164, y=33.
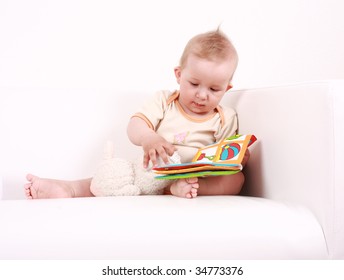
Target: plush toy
x=118, y=176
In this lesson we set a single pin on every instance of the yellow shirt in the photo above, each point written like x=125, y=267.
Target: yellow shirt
x=165, y=115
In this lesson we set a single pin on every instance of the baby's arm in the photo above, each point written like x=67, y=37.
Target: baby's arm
x=153, y=145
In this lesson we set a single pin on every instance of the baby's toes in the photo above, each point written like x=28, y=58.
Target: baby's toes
x=192, y=180
x=193, y=192
x=189, y=195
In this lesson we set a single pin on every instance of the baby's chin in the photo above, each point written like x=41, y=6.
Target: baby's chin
x=200, y=110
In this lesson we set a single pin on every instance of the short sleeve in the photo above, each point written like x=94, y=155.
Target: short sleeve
x=152, y=112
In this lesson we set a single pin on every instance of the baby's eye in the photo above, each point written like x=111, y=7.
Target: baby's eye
x=194, y=84
x=214, y=89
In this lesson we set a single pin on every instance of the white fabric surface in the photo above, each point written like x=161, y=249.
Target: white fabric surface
x=158, y=227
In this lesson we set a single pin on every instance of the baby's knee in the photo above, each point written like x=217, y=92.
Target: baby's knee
x=241, y=178
x=238, y=182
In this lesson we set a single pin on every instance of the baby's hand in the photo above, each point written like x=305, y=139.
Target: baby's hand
x=155, y=146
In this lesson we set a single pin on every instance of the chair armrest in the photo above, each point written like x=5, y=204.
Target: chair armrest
x=298, y=157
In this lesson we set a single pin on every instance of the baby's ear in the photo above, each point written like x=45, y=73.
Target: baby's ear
x=229, y=87
x=177, y=73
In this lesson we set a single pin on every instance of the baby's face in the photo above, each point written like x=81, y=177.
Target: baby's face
x=203, y=83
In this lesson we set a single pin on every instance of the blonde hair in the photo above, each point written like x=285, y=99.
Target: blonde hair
x=212, y=45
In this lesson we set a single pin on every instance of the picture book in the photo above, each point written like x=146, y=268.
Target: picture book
x=221, y=158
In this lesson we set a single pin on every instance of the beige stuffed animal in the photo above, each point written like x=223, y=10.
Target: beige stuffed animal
x=118, y=176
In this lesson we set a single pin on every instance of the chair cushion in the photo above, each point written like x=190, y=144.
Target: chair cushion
x=158, y=227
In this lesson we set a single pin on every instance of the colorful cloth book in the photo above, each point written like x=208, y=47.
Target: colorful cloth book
x=221, y=158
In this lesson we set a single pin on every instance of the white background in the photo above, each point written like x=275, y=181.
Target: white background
x=113, y=44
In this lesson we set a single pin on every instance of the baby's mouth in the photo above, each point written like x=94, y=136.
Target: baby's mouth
x=199, y=105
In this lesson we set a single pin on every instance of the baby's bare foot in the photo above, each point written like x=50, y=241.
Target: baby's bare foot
x=47, y=188
x=185, y=187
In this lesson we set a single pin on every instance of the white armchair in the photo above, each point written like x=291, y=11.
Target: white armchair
x=292, y=205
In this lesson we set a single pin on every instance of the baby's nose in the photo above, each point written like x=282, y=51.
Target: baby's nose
x=202, y=93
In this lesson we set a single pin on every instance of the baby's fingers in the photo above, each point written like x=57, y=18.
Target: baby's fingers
x=152, y=157
x=146, y=159
x=170, y=149
x=163, y=155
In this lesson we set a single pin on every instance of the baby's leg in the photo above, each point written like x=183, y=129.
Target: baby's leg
x=221, y=185
x=37, y=187
x=186, y=188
